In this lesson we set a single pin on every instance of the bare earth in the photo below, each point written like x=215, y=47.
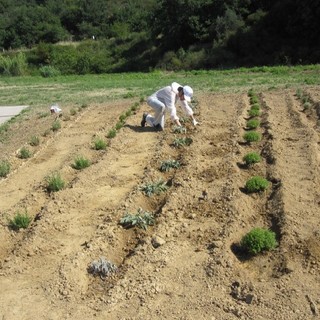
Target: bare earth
x=188, y=265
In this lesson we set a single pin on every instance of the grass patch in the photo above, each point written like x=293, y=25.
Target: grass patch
x=258, y=240
x=99, y=144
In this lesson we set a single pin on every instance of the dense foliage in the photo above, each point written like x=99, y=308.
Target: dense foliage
x=138, y=35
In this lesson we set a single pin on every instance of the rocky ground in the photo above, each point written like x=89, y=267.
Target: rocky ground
x=189, y=264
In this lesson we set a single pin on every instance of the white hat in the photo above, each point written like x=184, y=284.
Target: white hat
x=188, y=93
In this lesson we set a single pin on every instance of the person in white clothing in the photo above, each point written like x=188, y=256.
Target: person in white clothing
x=164, y=100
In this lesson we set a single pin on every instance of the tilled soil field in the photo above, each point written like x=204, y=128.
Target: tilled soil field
x=189, y=264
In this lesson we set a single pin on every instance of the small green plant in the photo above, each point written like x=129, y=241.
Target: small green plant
x=253, y=124
x=307, y=106
x=102, y=268
x=154, y=188
x=252, y=136
x=46, y=132
x=34, y=141
x=169, y=164
x=122, y=117
x=258, y=240
x=180, y=129
x=251, y=92
x=20, y=220
x=251, y=158
x=80, y=163
x=254, y=113
x=119, y=125
x=55, y=182
x=135, y=106
x=99, y=144
x=4, y=168
x=73, y=111
x=255, y=106
x=43, y=114
x=142, y=219
x=254, y=99
x=179, y=142
x=24, y=153
x=112, y=133
x=128, y=113
x=56, y=125
x=299, y=93
x=256, y=184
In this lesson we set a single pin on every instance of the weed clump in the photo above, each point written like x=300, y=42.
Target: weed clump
x=258, y=240
x=252, y=136
x=142, y=219
x=251, y=158
x=256, y=184
x=20, y=221
x=4, y=168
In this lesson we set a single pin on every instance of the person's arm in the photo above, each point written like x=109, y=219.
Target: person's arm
x=188, y=111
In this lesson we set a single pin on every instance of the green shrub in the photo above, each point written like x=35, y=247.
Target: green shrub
x=4, y=168
x=252, y=136
x=49, y=72
x=258, y=240
x=154, y=188
x=20, y=221
x=254, y=99
x=55, y=182
x=254, y=113
x=80, y=163
x=251, y=158
x=255, y=106
x=24, y=153
x=119, y=125
x=56, y=125
x=99, y=144
x=34, y=141
x=253, y=124
x=256, y=184
x=169, y=164
x=122, y=117
x=112, y=133
x=13, y=66
x=142, y=219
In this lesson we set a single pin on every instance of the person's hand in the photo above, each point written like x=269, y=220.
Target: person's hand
x=195, y=122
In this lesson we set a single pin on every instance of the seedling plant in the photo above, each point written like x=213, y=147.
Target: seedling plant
x=20, y=220
x=99, y=144
x=24, y=153
x=142, y=219
x=80, y=163
x=253, y=124
x=252, y=136
x=258, y=240
x=154, y=188
x=102, y=268
x=4, y=168
x=55, y=182
x=179, y=142
x=169, y=164
x=251, y=158
x=256, y=184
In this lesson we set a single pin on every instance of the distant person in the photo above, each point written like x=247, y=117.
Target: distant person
x=164, y=100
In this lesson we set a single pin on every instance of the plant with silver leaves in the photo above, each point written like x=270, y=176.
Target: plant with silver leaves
x=102, y=268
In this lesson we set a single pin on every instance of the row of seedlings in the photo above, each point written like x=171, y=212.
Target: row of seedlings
x=258, y=239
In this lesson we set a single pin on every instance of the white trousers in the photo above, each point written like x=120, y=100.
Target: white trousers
x=159, y=111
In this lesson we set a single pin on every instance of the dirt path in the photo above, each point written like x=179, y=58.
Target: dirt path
x=187, y=265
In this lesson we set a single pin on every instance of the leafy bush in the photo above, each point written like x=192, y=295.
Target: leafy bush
x=255, y=106
x=254, y=99
x=256, y=184
x=142, y=219
x=49, y=71
x=4, y=168
x=251, y=158
x=154, y=188
x=55, y=182
x=24, y=153
x=258, y=240
x=99, y=144
x=252, y=136
x=80, y=163
x=254, y=113
x=34, y=141
x=119, y=125
x=13, y=66
x=168, y=164
x=253, y=124
x=20, y=221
